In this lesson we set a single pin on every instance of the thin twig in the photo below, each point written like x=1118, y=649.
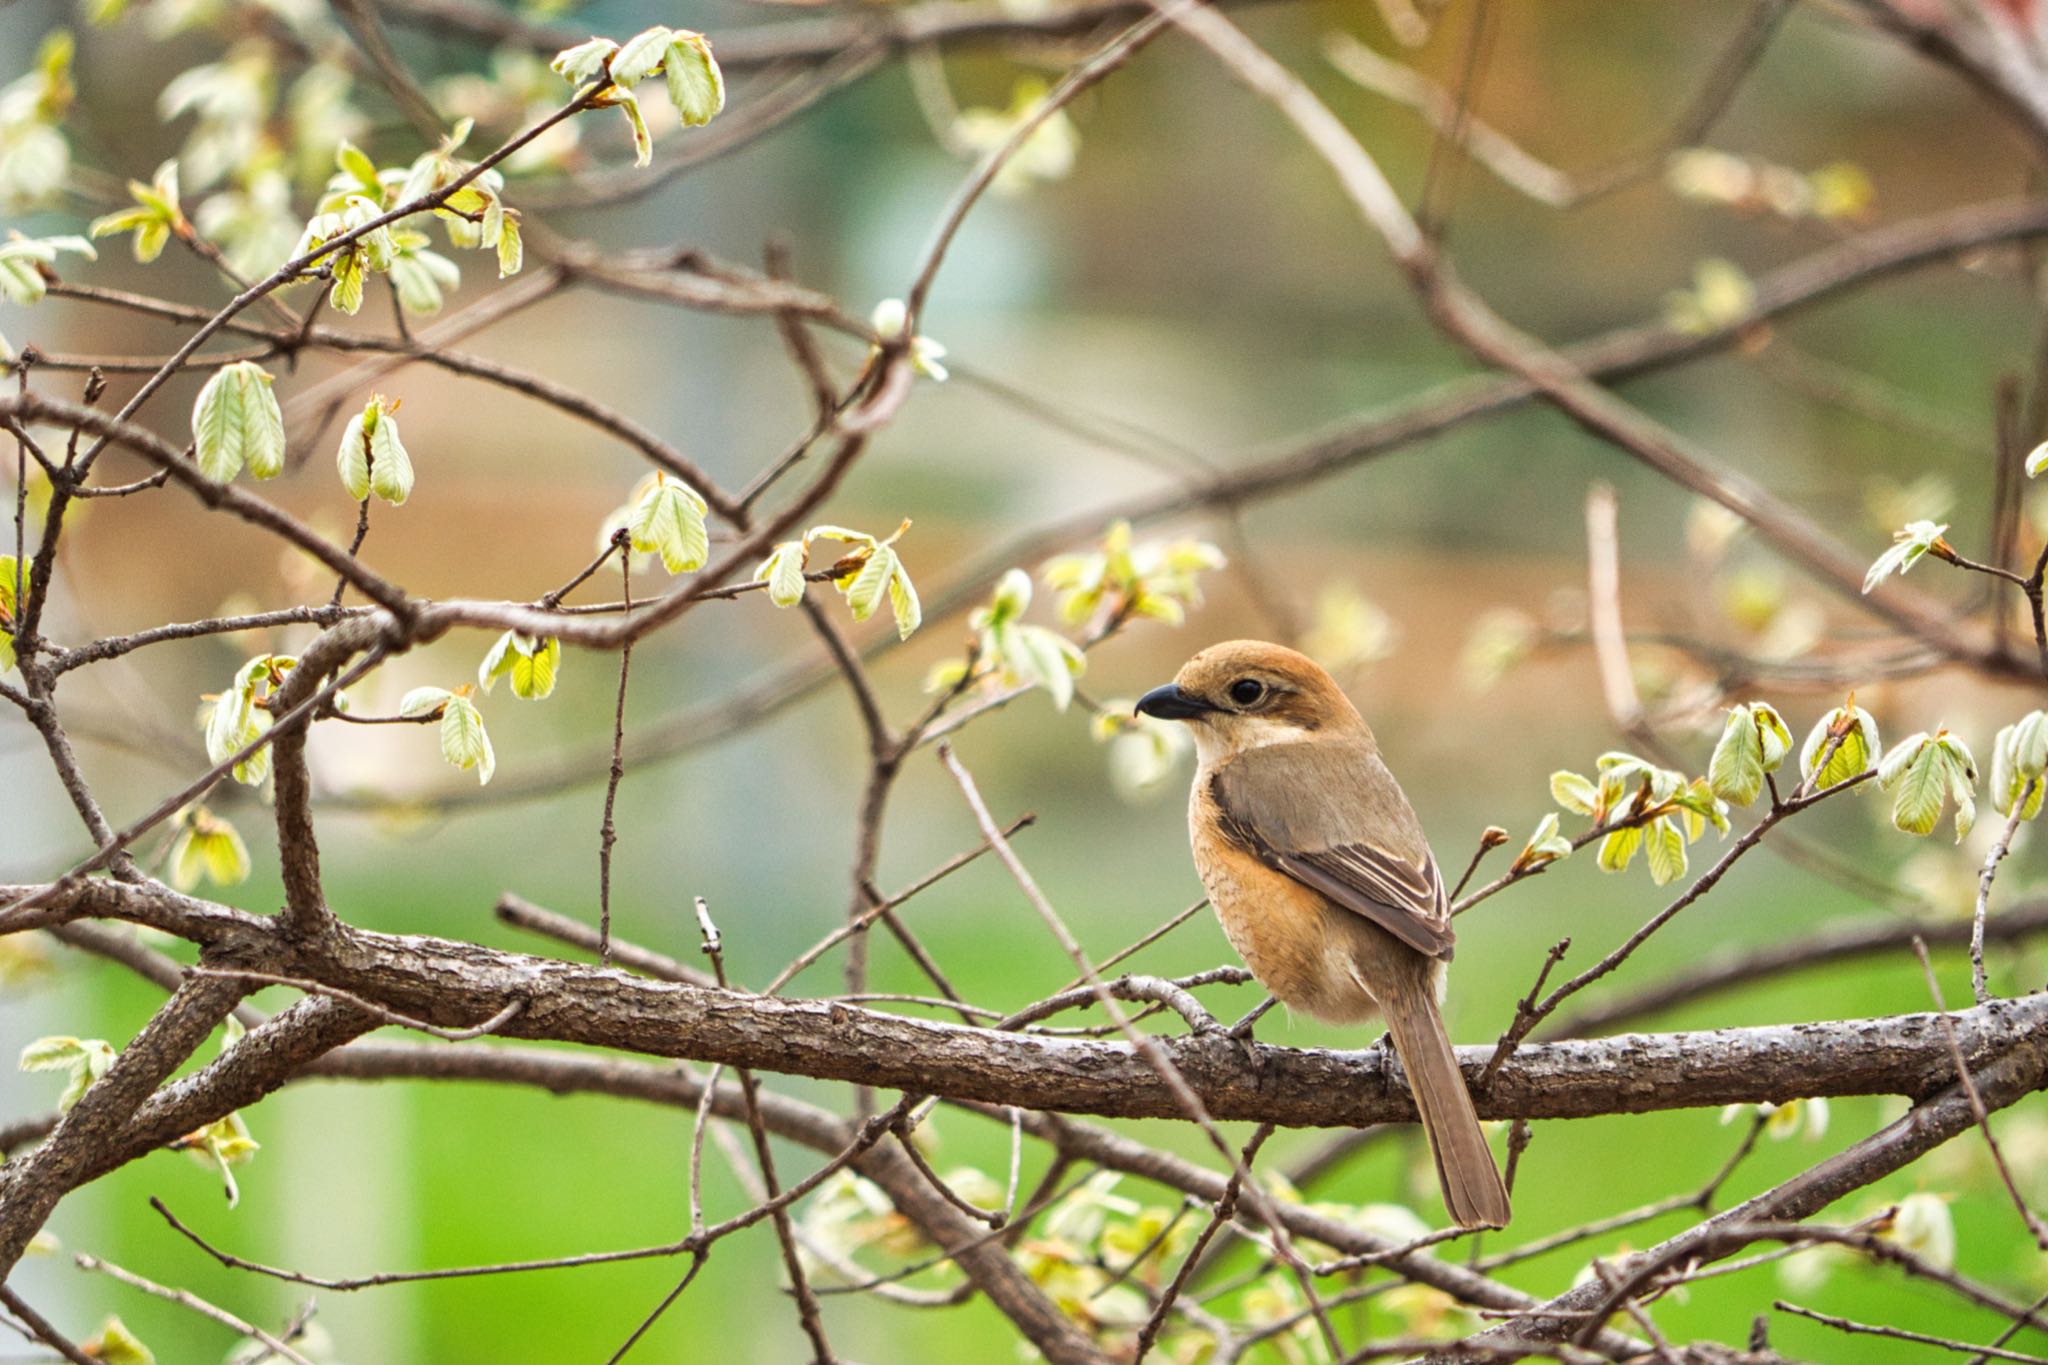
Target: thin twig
x=1979, y=982
x=607, y=830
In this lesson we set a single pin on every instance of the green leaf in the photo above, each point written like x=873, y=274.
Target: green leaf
x=639, y=57
x=353, y=459
x=1664, y=847
x=150, y=241
x=57, y=1053
x=236, y=421
x=643, y=141
x=211, y=848
x=825, y=531
x=420, y=275
x=1044, y=658
x=866, y=589
x=1736, y=771
x=353, y=163
x=2019, y=756
x=223, y=1144
x=1012, y=597
x=1850, y=759
x=1701, y=808
x=903, y=603
x=534, y=667
x=669, y=520
x=9, y=568
x=583, y=62
x=1545, y=846
x=1773, y=735
x=464, y=742
x=390, y=464
x=1909, y=545
x=695, y=84
x=2037, y=459
x=1573, y=792
x=424, y=702
x=945, y=675
x=154, y=216
x=783, y=571
x=2030, y=744
x=372, y=458
x=351, y=276
x=511, y=253
x=20, y=280
x=235, y=721
x=1619, y=848
x=1621, y=770
x=1916, y=774
x=496, y=661
x=85, y=1060
x=1960, y=768
x=116, y=1345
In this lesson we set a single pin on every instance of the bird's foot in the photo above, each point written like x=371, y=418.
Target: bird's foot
x=1240, y=1032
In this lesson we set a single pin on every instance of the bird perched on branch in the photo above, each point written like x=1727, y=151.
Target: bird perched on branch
x=1323, y=879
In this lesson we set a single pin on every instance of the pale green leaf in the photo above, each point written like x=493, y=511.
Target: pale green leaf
x=1619, y=848
x=695, y=84
x=236, y=422
x=116, y=1345
x=2018, y=757
x=640, y=56
x=826, y=531
x=783, y=571
x=1918, y=782
x=1851, y=758
x=643, y=141
x=353, y=459
x=1573, y=792
x=424, y=702
x=534, y=668
x=1960, y=768
x=351, y=277
x=1909, y=545
x=390, y=464
x=1545, y=845
x=10, y=567
x=511, y=252
x=583, y=62
x=1736, y=771
x=1773, y=735
x=496, y=661
x=1664, y=847
x=1044, y=658
x=866, y=589
x=909, y=612
x=211, y=848
x=669, y=520
x=56, y=1053
x=464, y=742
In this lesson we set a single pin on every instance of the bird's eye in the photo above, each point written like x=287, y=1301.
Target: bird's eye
x=1245, y=691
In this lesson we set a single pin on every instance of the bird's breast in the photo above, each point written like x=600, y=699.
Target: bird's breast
x=1278, y=926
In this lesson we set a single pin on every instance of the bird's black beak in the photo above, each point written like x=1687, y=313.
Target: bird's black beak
x=1170, y=703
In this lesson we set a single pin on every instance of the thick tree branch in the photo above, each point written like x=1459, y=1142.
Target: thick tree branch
x=459, y=985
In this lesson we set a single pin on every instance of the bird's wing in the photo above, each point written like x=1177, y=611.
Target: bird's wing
x=1332, y=817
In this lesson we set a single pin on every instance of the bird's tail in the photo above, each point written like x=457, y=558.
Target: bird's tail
x=1471, y=1183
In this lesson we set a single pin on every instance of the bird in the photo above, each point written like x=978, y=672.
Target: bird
x=1323, y=879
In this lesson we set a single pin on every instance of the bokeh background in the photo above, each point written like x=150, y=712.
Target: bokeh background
x=1197, y=286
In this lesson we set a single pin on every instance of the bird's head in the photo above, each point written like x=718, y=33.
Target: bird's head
x=1245, y=694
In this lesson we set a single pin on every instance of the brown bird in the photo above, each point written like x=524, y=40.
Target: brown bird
x=1323, y=879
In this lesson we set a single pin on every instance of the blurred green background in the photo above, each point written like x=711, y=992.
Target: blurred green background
x=1197, y=277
